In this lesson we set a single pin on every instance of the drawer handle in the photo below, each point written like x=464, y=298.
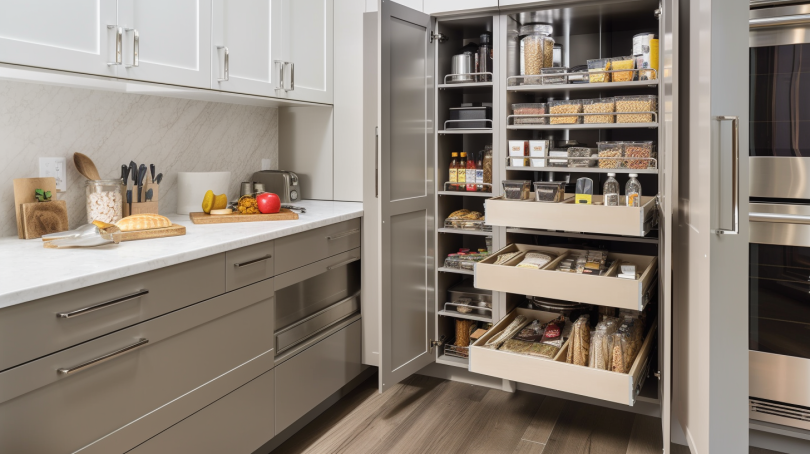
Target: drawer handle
x=101, y=359
x=103, y=305
x=343, y=235
x=252, y=262
x=345, y=262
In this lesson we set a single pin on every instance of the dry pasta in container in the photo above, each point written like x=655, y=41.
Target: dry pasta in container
x=598, y=70
x=642, y=108
x=618, y=63
x=601, y=109
x=642, y=151
x=609, y=154
x=567, y=106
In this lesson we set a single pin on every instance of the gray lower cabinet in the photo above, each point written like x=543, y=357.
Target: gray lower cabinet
x=239, y=423
x=308, y=378
x=304, y=248
x=75, y=400
x=249, y=265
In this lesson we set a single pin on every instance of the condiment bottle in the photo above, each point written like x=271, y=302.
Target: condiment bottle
x=462, y=173
x=488, y=166
x=633, y=191
x=471, y=174
x=479, y=172
x=454, y=172
x=611, y=191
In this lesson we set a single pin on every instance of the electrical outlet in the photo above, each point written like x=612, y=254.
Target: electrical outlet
x=57, y=168
x=266, y=164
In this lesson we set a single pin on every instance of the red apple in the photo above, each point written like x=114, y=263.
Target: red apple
x=268, y=203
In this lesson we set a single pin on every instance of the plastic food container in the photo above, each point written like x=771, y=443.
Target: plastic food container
x=644, y=149
x=641, y=103
x=608, y=151
x=466, y=224
x=538, y=108
x=597, y=68
x=599, y=106
x=581, y=152
x=537, y=50
x=554, y=76
x=568, y=106
x=516, y=189
x=617, y=63
x=549, y=191
x=518, y=148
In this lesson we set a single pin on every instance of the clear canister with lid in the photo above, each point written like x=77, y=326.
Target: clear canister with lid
x=485, y=57
x=536, y=50
x=104, y=200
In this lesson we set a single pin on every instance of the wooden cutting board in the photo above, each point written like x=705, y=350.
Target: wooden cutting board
x=173, y=230
x=202, y=218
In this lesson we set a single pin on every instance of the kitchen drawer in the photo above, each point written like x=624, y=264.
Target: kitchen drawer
x=605, y=290
x=239, y=423
x=38, y=328
x=44, y=410
x=570, y=217
x=304, y=248
x=248, y=265
x=556, y=373
x=308, y=378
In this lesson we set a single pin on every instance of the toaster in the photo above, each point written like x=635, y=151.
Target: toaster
x=280, y=182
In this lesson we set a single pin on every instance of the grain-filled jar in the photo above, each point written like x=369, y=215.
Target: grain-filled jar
x=104, y=201
x=537, y=50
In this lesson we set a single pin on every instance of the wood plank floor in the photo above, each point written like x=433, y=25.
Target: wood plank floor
x=430, y=415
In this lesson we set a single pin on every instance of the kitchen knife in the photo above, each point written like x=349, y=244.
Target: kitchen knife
x=124, y=173
x=133, y=176
x=141, y=177
x=149, y=195
x=159, y=178
x=152, y=171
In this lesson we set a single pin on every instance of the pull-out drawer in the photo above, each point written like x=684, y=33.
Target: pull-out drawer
x=556, y=373
x=606, y=290
x=38, y=328
x=304, y=248
x=70, y=400
x=249, y=265
x=302, y=330
x=239, y=423
x=570, y=217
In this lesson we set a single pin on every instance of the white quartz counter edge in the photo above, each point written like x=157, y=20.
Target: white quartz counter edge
x=28, y=271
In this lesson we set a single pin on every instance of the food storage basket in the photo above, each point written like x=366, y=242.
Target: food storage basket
x=549, y=191
x=566, y=106
x=598, y=70
x=640, y=103
x=581, y=152
x=466, y=224
x=618, y=63
x=608, y=151
x=604, y=106
x=537, y=108
x=644, y=150
x=516, y=189
x=554, y=76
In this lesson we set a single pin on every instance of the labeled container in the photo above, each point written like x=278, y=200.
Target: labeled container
x=516, y=189
x=567, y=106
x=643, y=150
x=617, y=63
x=549, y=191
x=640, y=105
x=554, y=76
x=604, y=106
x=470, y=118
x=581, y=152
x=518, y=148
x=538, y=149
x=598, y=70
x=537, y=108
x=610, y=154
x=104, y=200
x=536, y=51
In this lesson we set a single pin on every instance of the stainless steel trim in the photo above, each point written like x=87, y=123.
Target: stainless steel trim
x=779, y=378
x=343, y=263
x=252, y=262
x=779, y=177
x=783, y=218
x=780, y=25
x=779, y=224
x=226, y=65
x=761, y=3
x=294, y=334
x=136, y=47
x=765, y=22
x=280, y=81
x=343, y=234
x=735, y=175
x=119, y=44
x=101, y=359
x=104, y=305
x=377, y=162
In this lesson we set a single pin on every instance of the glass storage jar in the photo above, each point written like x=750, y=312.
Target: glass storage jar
x=536, y=51
x=599, y=106
x=104, y=200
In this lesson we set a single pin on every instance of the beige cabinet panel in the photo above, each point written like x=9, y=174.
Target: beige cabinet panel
x=249, y=265
x=308, y=247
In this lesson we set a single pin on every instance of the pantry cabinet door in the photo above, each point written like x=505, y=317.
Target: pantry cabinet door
x=167, y=42
x=246, y=42
x=406, y=194
x=55, y=34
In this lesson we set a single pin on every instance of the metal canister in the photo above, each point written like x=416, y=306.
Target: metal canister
x=462, y=64
x=245, y=188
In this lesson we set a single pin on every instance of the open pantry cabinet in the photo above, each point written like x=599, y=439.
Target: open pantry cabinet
x=410, y=76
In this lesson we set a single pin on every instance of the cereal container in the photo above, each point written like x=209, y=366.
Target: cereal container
x=567, y=106
x=104, y=201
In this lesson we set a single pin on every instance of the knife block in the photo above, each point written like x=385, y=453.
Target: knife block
x=143, y=207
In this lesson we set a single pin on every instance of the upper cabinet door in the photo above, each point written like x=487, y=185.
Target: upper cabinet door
x=246, y=42
x=167, y=41
x=55, y=34
x=439, y=7
x=307, y=37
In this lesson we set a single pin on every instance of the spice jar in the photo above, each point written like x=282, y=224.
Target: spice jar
x=537, y=50
x=104, y=201
x=487, y=164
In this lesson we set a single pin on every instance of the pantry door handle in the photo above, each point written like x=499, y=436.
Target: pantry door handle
x=226, y=66
x=136, y=47
x=343, y=235
x=101, y=359
x=343, y=263
x=119, y=43
x=103, y=305
x=252, y=262
x=280, y=81
x=292, y=76
x=735, y=175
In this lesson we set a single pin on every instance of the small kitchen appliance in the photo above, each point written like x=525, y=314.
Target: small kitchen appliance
x=281, y=182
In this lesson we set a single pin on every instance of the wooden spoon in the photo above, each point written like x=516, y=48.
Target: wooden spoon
x=85, y=166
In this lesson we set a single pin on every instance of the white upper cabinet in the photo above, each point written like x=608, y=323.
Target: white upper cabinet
x=307, y=50
x=439, y=7
x=55, y=34
x=246, y=41
x=167, y=41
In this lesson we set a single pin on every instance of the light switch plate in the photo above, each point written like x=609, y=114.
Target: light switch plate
x=57, y=168
x=266, y=164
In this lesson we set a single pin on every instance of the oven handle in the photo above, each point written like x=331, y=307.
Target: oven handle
x=767, y=22
x=778, y=217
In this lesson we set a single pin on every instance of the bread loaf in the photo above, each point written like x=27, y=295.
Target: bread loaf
x=145, y=221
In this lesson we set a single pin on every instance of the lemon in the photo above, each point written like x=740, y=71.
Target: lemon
x=208, y=202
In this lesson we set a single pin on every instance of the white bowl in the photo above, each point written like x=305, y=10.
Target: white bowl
x=192, y=186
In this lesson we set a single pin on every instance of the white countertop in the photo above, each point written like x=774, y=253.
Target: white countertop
x=28, y=271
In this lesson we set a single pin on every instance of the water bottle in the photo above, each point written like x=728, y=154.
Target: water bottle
x=611, y=191
x=633, y=191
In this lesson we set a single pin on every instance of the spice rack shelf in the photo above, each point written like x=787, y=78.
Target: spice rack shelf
x=580, y=170
x=465, y=232
x=456, y=314
x=465, y=193
x=585, y=126
x=584, y=87
x=444, y=269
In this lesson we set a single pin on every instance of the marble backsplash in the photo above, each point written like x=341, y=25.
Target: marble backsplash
x=115, y=128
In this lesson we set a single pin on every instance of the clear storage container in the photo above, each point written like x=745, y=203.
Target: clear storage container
x=599, y=106
x=516, y=189
x=537, y=50
x=610, y=154
x=581, y=152
x=597, y=69
x=537, y=108
x=641, y=103
x=568, y=106
x=618, y=63
x=104, y=200
x=643, y=150
x=549, y=191
x=554, y=76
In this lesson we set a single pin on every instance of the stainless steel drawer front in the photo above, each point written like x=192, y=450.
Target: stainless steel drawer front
x=315, y=323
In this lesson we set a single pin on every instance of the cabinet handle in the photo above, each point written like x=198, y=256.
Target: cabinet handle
x=252, y=262
x=280, y=81
x=119, y=43
x=101, y=359
x=103, y=305
x=345, y=262
x=735, y=176
x=136, y=47
x=343, y=234
x=292, y=76
x=227, y=65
